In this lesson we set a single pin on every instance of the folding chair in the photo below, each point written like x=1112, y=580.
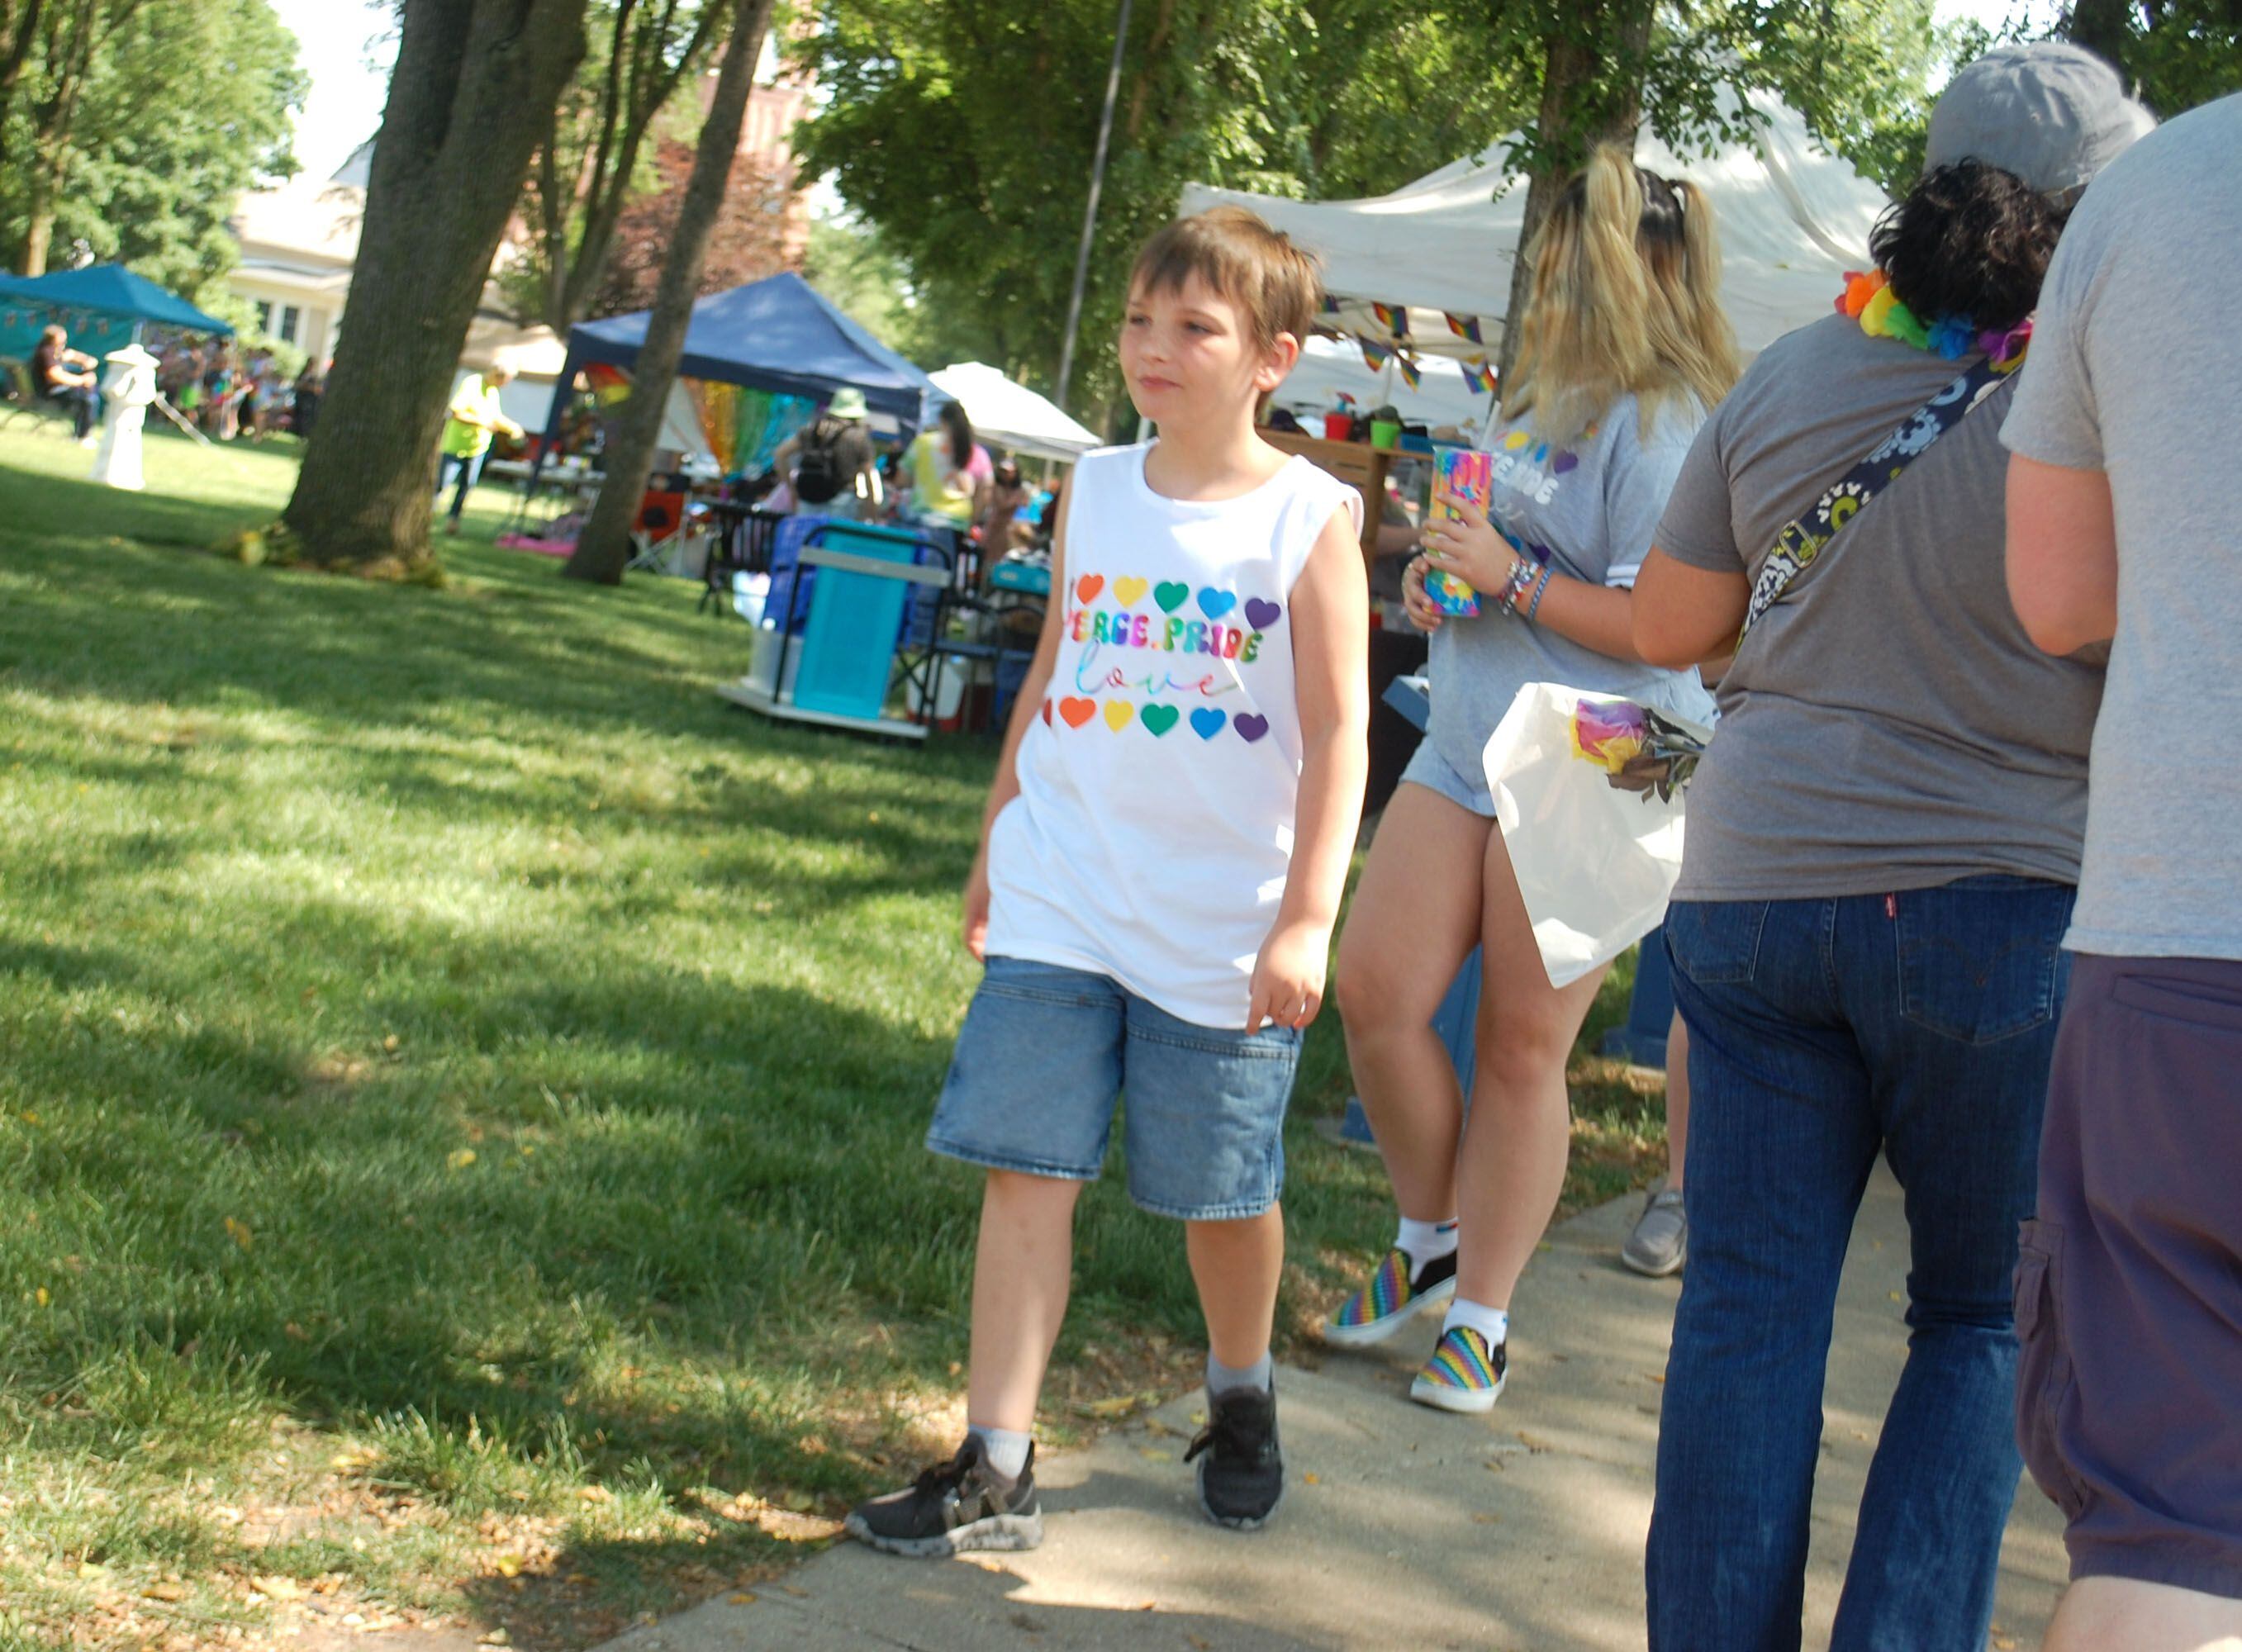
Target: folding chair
x=661, y=520
x=25, y=401
x=750, y=535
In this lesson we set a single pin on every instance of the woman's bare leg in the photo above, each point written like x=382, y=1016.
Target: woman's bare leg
x=1414, y=920
x=1512, y=1167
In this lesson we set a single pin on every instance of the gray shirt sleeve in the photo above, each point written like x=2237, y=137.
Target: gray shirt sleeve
x=1635, y=492
x=1698, y=528
x=2053, y=419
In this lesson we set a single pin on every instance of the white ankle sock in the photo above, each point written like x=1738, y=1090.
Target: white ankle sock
x=1007, y=1448
x=1260, y=1376
x=1426, y=1242
x=1493, y=1324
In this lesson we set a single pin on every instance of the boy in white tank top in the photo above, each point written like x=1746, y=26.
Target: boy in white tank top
x=1161, y=861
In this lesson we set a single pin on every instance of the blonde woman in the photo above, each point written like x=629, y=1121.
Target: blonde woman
x=1624, y=350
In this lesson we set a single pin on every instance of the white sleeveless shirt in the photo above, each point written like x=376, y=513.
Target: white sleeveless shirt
x=1153, y=830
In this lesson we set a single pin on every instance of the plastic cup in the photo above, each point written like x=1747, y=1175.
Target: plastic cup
x=1385, y=434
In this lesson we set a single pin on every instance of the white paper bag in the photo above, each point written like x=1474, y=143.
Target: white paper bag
x=1595, y=862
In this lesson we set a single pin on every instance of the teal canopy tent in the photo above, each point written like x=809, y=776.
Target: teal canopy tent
x=105, y=306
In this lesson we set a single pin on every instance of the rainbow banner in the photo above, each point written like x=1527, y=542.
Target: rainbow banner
x=1477, y=374
x=1375, y=353
x=1411, y=374
x=1465, y=326
x=1393, y=318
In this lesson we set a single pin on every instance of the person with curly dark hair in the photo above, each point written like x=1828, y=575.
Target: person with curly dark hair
x=1882, y=854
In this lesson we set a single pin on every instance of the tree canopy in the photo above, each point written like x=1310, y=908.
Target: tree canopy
x=960, y=131
x=133, y=127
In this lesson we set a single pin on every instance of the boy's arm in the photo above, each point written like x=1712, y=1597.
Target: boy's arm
x=1026, y=707
x=1330, y=664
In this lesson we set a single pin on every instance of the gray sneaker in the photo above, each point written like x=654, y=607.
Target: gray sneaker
x=1660, y=1243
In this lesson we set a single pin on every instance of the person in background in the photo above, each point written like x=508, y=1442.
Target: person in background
x=474, y=414
x=1866, y=938
x=2128, y=1296
x=829, y=467
x=1624, y=349
x=947, y=468
x=305, y=412
x=68, y=376
x=997, y=511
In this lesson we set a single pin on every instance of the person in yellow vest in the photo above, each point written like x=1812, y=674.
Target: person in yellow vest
x=473, y=415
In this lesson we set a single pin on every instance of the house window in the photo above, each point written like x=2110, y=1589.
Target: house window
x=265, y=315
x=291, y=317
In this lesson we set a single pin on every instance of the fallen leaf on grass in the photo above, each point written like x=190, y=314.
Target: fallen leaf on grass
x=278, y=1588
x=744, y=1598
x=239, y=1232
x=349, y=1463
x=92, y=1570
x=172, y=1592
x=496, y=1638
x=1105, y=1410
x=507, y=1565
x=462, y=1158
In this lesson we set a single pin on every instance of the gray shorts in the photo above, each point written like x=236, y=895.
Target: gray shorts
x=1436, y=774
x=2129, y=1282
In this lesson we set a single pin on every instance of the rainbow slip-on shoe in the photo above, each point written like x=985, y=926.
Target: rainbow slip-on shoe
x=1390, y=1300
x=1464, y=1374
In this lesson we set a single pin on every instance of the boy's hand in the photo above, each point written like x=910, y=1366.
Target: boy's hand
x=976, y=909
x=1288, y=977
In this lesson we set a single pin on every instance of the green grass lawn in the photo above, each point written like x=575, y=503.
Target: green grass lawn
x=458, y=1131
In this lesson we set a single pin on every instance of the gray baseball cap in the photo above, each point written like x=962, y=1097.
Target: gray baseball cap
x=2052, y=113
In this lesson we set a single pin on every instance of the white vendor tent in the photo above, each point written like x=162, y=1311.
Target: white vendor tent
x=1793, y=219
x=1012, y=416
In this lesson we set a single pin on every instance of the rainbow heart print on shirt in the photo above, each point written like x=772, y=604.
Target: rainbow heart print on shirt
x=1154, y=658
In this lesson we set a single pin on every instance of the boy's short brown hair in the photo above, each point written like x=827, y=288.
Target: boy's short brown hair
x=1276, y=284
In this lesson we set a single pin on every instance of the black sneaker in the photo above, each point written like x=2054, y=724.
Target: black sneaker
x=954, y=1507
x=1241, y=1474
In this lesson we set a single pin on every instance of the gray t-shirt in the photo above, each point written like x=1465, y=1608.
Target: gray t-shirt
x=1587, y=512
x=2136, y=369
x=1888, y=725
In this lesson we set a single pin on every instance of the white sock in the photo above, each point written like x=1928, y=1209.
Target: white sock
x=1424, y=1242
x=1260, y=1376
x=1493, y=1324
x=1007, y=1449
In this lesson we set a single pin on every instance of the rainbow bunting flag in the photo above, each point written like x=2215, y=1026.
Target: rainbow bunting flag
x=1393, y=318
x=1411, y=374
x=1330, y=305
x=1477, y=374
x=1464, y=326
x=1375, y=353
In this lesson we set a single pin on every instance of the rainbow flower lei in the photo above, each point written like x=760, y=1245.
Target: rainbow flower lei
x=1869, y=301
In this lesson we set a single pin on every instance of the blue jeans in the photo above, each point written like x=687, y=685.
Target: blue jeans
x=468, y=468
x=1821, y=1033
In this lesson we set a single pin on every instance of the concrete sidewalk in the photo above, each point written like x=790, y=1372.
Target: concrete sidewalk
x=1401, y=1527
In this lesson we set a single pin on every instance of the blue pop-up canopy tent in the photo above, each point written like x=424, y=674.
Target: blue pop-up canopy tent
x=105, y=306
x=778, y=334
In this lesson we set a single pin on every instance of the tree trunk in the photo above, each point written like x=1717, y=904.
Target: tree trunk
x=1577, y=113
x=474, y=86
x=604, y=548
x=2103, y=27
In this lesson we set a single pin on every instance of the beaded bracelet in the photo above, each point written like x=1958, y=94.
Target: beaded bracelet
x=1521, y=576
x=1535, y=607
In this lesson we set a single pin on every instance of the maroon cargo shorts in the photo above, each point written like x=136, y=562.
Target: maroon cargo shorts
x=2129, y=1282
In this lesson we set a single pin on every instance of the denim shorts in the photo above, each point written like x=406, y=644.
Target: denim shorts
x=1046, y=1052
x=1436, y=774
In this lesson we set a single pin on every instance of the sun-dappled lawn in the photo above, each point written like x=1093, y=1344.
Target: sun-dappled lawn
x=462, y=1089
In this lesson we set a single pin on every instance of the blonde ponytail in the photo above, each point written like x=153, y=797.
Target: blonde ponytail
x=1626, y=298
